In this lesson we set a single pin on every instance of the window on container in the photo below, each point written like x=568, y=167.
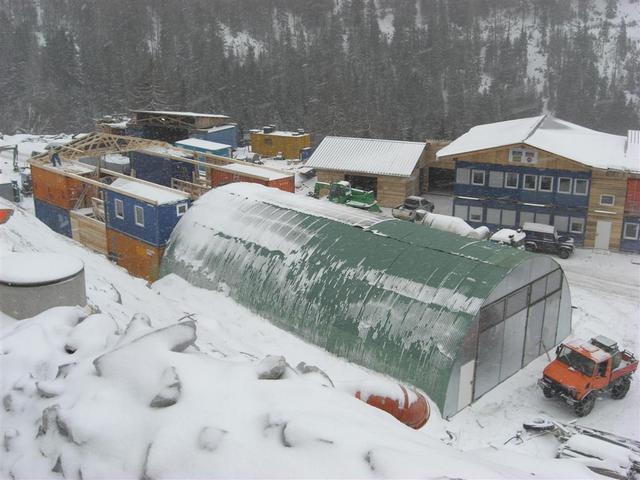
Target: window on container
x=631, y=231
x=576, y=225
x=181, y=209
x=607, y=200
x=493, y=216
x=461, y=211
x=509, y=218
x=511, y=180
x=475, y=214
x=561, y=223
x=546, y=183
x=530, y=182
x=496, y=179
x=463, y=176
x=477, y=177
x=119, y=209
x=139, y=215
x=543, y=218
x=527, y=217
x=581, y=186
x=564, y=185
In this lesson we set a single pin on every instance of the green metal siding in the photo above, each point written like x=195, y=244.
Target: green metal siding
x=397, y=298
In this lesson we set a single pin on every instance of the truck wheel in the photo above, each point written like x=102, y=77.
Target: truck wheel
x=564, y=254
x=548, y=392
x=620, y=389
x=584, y=407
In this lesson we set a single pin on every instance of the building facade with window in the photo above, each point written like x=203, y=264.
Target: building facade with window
x=139, y=220
x=545, y=170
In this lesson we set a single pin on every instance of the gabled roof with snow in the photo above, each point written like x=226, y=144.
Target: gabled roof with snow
x=633, y=146
x=589, y=147
x=367, y=155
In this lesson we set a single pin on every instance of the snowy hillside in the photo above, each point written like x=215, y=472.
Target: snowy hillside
x=164, y=382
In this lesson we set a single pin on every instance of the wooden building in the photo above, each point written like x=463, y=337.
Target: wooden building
x=543, y=170
x=270, y=142
x=393, y=169
x=238, y=172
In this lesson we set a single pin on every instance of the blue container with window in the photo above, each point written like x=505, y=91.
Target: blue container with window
x=227, y=134
x=630, y=241
x=56, y=218
x=143, y=211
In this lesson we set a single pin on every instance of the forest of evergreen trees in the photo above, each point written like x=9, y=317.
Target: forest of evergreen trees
x=324, y=65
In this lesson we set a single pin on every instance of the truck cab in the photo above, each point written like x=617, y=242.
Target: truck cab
x=583, y=370
x=544, y=238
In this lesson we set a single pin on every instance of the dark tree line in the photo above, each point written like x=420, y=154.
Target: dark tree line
x=324, y=65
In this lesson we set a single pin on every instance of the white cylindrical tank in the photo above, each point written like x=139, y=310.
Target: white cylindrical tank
x=31, y=283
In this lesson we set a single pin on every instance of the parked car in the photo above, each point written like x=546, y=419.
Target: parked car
x=512, y=238
x=411, y=207
x=544, y=238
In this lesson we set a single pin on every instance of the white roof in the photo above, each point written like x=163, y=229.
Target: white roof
x=590, y=147
x=633, y=146
x=161, y=149
x=117, y=158
x=218, y=128
x=37, y=268
x=179, y=114
x=159, y=195
x=366, y=155
x=257, y=171
x=198, y=143
x=538, y=227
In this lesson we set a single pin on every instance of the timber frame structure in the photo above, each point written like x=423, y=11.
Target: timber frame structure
x=151, y=118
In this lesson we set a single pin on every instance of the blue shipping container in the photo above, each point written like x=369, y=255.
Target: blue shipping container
x=160, y=170
x=56, y=218
x=157, y=223
x=227, y=134
x=630, y=241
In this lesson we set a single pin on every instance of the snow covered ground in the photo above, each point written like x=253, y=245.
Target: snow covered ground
x=235, y=425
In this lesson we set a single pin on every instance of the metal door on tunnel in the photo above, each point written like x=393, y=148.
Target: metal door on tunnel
x=515, y=330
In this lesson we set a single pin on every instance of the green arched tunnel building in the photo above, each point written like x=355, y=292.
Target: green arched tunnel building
x=450, y=315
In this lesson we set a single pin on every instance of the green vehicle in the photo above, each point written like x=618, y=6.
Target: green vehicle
x=342, y=192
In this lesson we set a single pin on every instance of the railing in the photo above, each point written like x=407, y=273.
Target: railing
x=194, y=189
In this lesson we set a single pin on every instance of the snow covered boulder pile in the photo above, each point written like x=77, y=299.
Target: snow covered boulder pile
x=84, y=399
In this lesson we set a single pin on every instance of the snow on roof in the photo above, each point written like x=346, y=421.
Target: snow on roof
x=633, y=146
x=257, y=171
x=506, y=235
x=308, y=205
x=218, y=128
x=37, y=268
x=117, y=158
x=178, y=152
x=538, y=227
x=367, y=155
x=159, y=195
x=199, y=143
x=491, y=135
x=590, y=147
x=179, y=114
x=120, y=125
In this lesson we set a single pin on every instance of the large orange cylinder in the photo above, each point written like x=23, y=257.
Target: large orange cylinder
x=413, y=412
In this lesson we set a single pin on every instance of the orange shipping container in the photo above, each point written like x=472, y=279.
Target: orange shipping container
x=632, y=203
x=56, y=189
x=253, y=174
x=137, y=257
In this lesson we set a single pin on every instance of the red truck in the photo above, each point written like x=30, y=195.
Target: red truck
x=583, y=370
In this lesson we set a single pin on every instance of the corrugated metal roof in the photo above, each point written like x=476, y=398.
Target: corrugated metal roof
x=367, y=155
x=397, y=297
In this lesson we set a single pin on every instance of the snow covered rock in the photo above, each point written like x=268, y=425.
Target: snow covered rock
x=272, y=367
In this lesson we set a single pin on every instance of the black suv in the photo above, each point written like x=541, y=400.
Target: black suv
x=545, y=239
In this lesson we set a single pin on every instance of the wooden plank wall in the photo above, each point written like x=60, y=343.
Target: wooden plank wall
x=500, y=156
x=89, y=232
x=392, y=191
x=607, y=182
x=429, y=157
